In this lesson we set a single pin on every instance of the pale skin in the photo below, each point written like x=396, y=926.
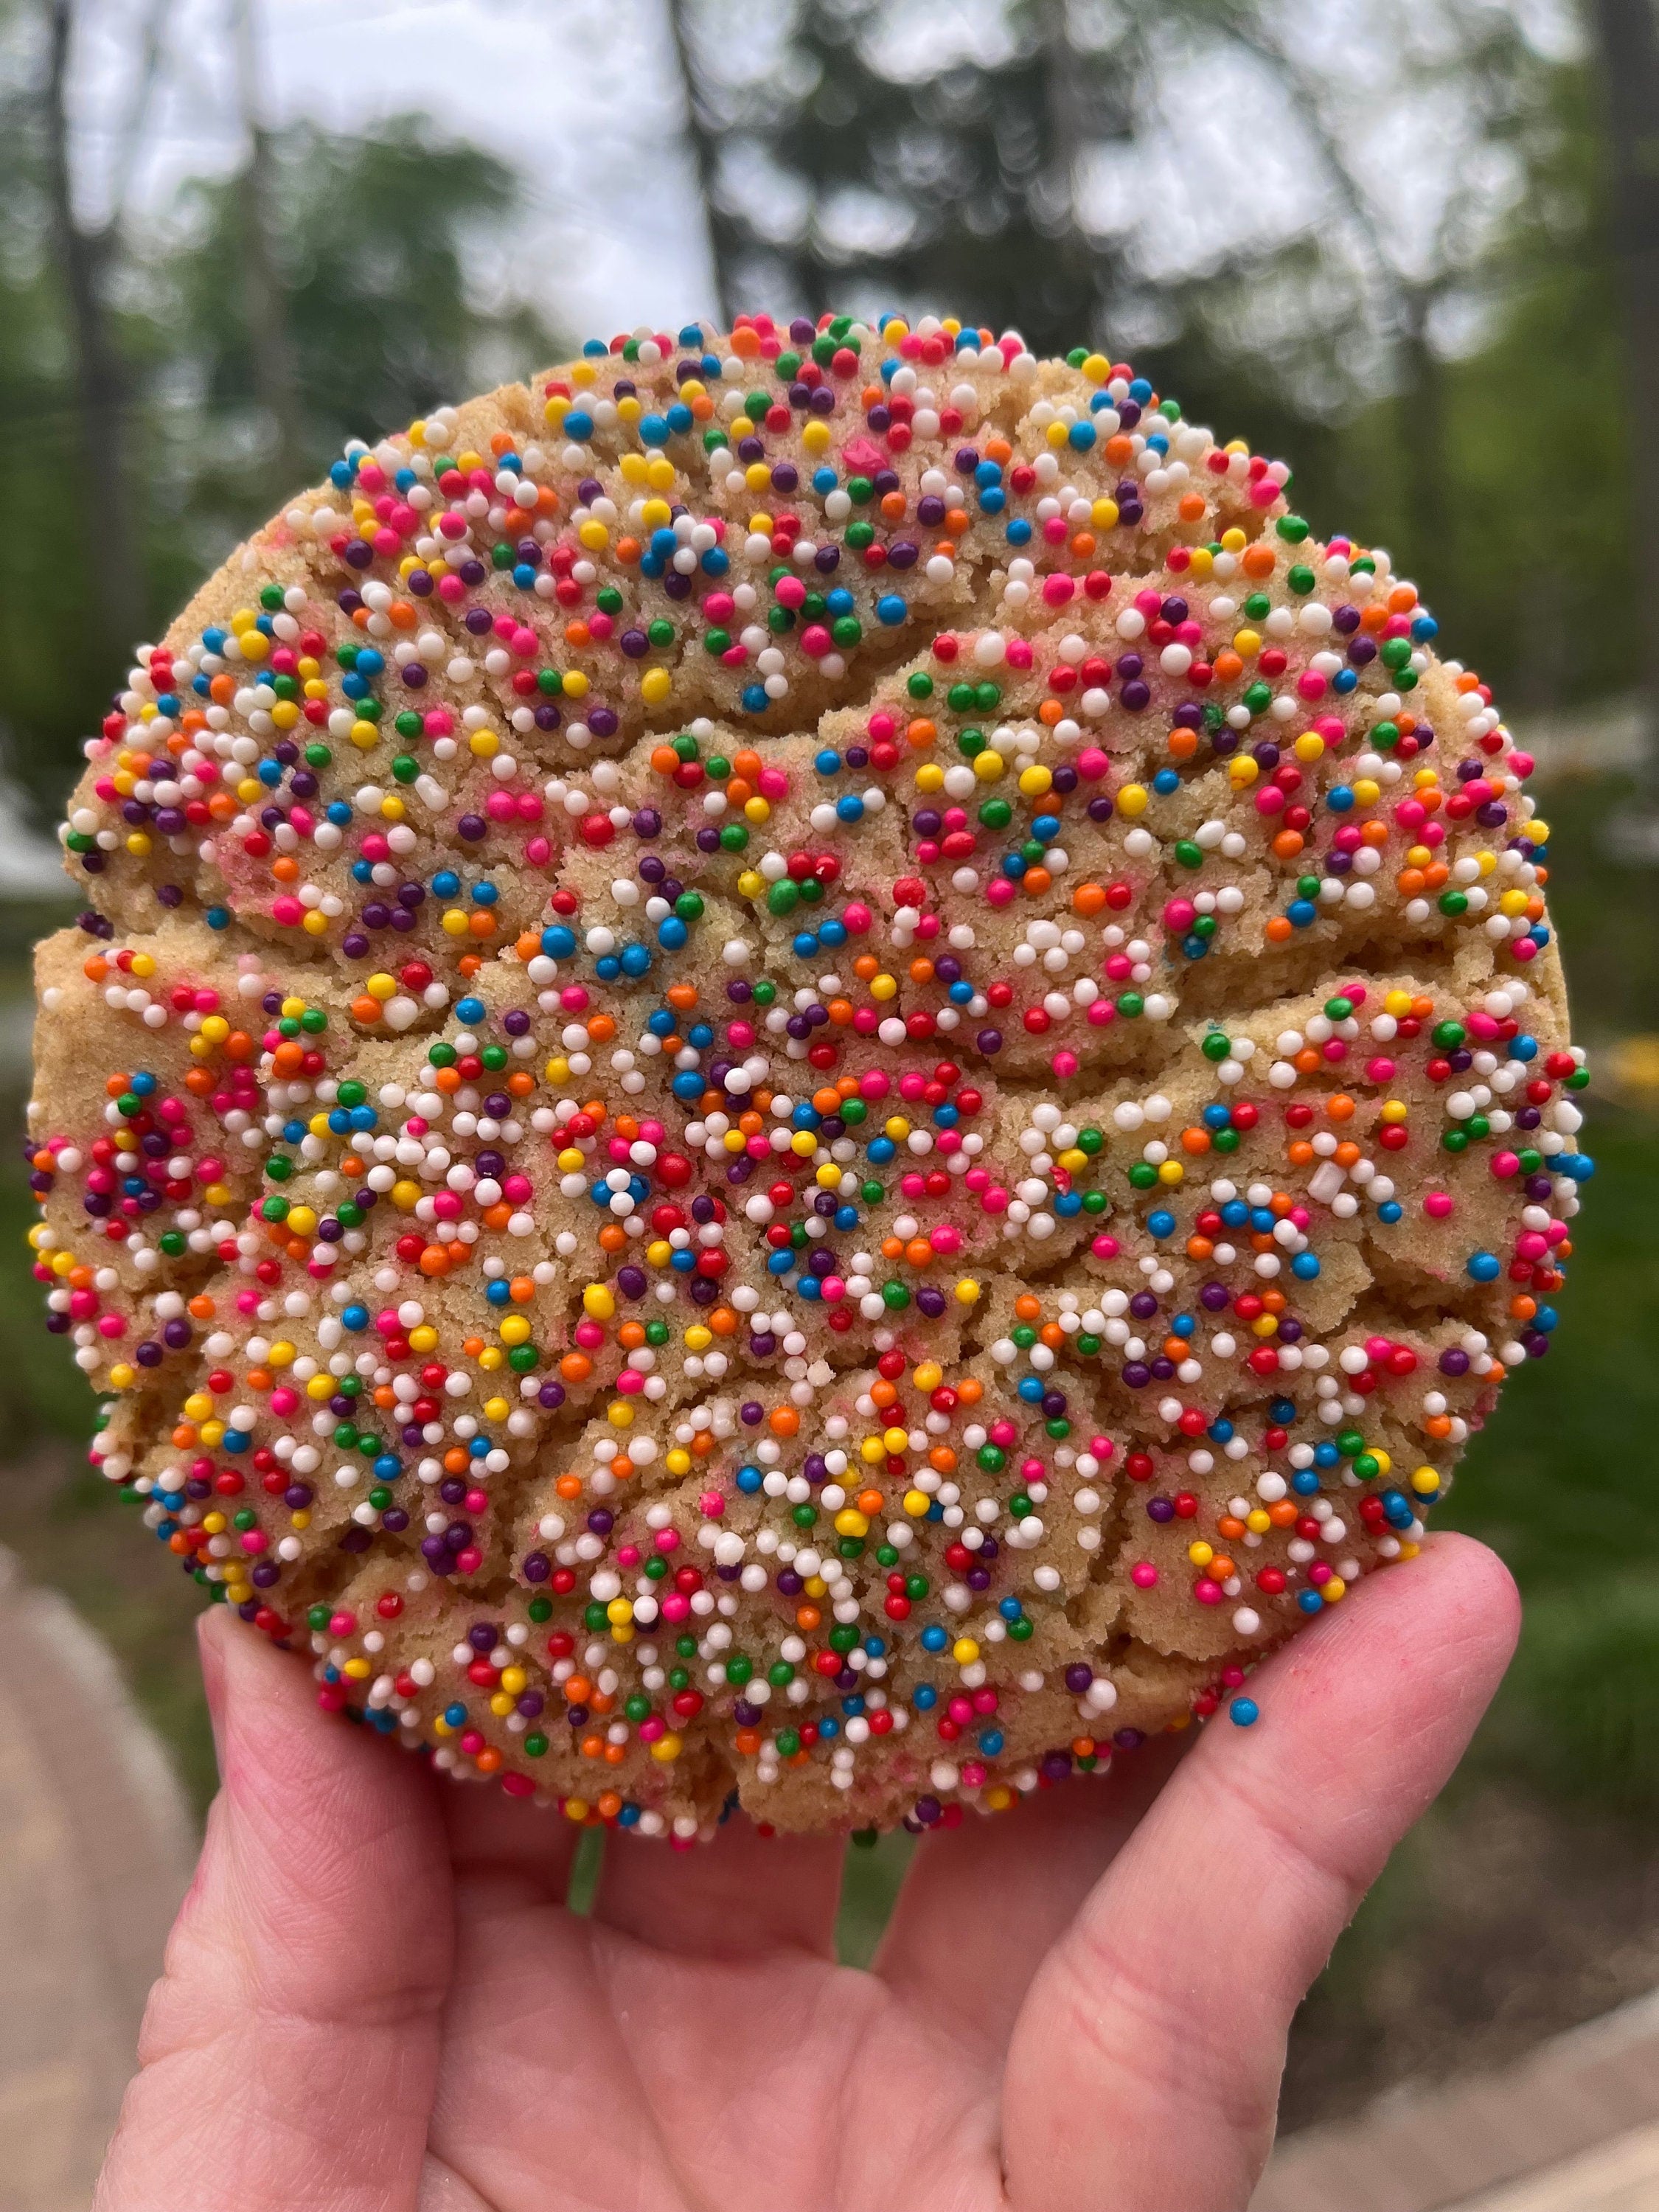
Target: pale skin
x=375, y=2001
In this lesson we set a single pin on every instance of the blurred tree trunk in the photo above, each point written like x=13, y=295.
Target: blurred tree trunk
x=101, y=378
x=271, y=344
x=702, y=144
x=1422, y=392
x=1628, y=33
x=1063, y=88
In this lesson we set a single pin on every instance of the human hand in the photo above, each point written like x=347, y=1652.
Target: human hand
x=375, y=2001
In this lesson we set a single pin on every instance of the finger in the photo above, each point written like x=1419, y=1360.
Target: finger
x=518, y=1852
x=1015, y=1883
x=740, y=1893
x=1159, y=2019
x=305, y=1973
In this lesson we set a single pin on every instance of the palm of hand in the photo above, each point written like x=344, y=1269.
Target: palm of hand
x=376, y=1998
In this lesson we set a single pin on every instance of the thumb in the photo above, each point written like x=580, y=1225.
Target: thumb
x=1145, y=2067
x=290, y=2049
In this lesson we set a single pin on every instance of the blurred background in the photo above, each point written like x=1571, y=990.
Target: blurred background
x=1415, y=249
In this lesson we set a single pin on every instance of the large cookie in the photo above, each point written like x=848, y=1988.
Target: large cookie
x=803, y=1064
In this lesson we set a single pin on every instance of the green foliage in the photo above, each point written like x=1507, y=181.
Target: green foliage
x=371, y=239
x=842, y=181
x=377, y=244
x=1580, y=1716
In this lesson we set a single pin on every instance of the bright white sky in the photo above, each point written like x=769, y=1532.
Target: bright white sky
x=580, y=95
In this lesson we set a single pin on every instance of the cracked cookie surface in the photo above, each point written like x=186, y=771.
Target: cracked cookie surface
x=805, y=1067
